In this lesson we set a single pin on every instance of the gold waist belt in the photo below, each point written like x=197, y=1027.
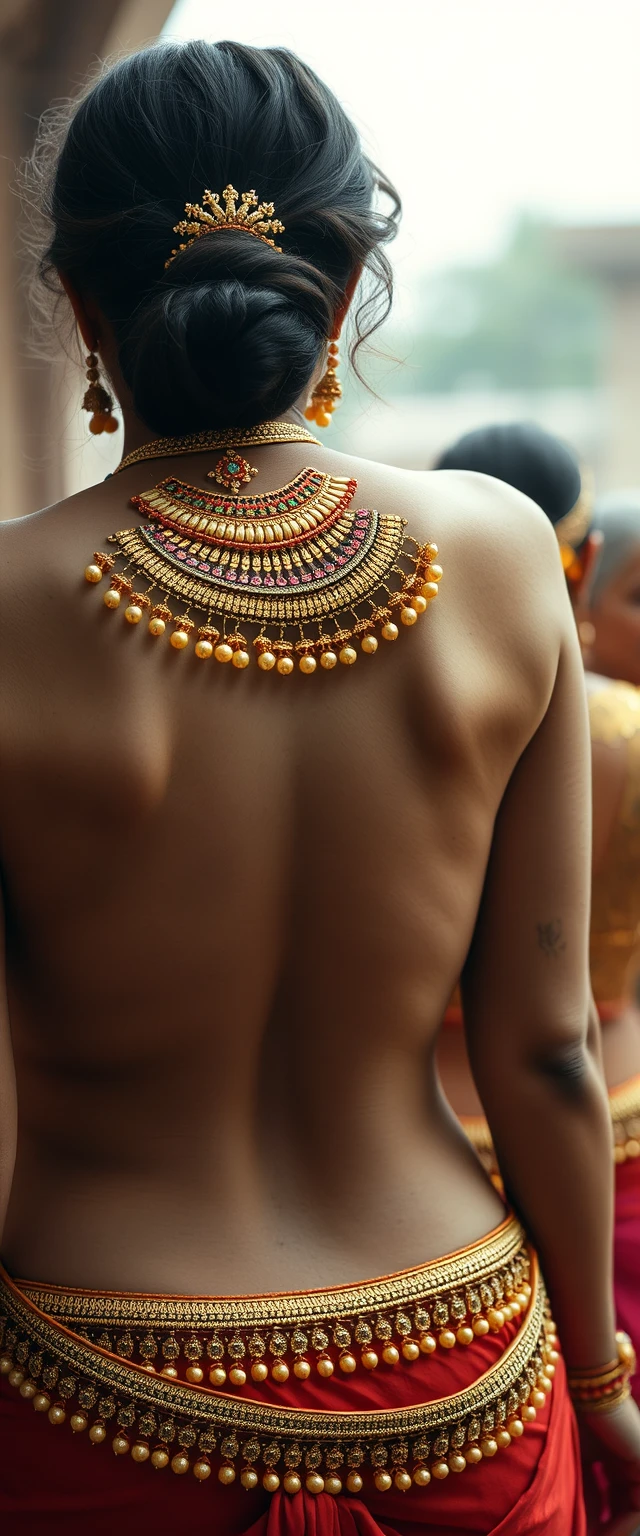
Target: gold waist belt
x=127, y=1368
x=624, y=1103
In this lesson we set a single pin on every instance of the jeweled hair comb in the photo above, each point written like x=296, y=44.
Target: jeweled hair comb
x=251, y=216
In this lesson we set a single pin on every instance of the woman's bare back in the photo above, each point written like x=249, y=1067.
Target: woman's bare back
x=236, y=906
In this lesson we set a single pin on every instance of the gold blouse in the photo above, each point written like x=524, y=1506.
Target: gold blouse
x=614, y=712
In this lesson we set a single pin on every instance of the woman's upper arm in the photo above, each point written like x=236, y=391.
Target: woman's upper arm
x=526, y=982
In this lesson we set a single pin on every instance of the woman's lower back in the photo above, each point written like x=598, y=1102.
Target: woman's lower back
x=184, y=1189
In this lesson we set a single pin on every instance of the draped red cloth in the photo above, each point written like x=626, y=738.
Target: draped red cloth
x=626, y=1253
x=54, y=1481
x=612, y=1495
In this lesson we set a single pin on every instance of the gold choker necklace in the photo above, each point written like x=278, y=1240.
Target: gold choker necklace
x=283, y=562
x=232, y=437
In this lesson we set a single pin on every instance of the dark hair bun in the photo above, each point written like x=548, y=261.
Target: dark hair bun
x=231, y=335
x=523, y=455
x=231, y=332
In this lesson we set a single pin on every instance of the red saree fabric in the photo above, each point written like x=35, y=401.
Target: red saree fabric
x=51, y=1480
x=610, y=1496
x=626, y=1253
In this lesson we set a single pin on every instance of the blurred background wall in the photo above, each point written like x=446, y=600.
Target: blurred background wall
x=46, y=49
x=511, y=132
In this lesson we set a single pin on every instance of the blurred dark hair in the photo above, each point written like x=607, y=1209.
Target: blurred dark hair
x=525, y=456
x=232, y=331
x=616, y=516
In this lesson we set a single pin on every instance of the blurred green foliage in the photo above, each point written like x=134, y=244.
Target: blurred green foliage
x=525, y=321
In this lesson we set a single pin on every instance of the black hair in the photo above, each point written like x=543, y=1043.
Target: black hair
x=525, y=456
x=231, y=332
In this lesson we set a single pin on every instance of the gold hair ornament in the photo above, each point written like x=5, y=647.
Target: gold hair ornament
x=251, y=216
x=572, y=530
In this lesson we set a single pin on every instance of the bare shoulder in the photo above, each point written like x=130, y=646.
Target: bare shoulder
x=34, y=548
x=498, y=549
x=490, y=520
x=470, y=511
x=20, y=537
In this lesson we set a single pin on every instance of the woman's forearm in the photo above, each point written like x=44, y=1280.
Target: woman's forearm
x=552, y=1132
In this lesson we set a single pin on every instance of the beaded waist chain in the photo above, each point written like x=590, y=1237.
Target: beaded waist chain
x=131, y=1369
x=624, y=1104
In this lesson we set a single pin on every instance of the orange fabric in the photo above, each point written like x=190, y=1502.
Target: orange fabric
x=55, y=1481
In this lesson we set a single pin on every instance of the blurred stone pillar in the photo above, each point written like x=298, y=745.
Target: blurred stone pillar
x=612, y=255
x=46, y=50
x=622, y=466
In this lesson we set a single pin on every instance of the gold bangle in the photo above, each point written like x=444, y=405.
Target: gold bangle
x=607, y=1404
x=599, y=1389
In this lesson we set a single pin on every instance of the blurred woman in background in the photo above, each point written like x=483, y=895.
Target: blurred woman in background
x=601, y=558
x=608, y=601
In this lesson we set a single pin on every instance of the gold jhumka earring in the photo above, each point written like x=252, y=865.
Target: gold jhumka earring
x=98, y=400
x=327, y=393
